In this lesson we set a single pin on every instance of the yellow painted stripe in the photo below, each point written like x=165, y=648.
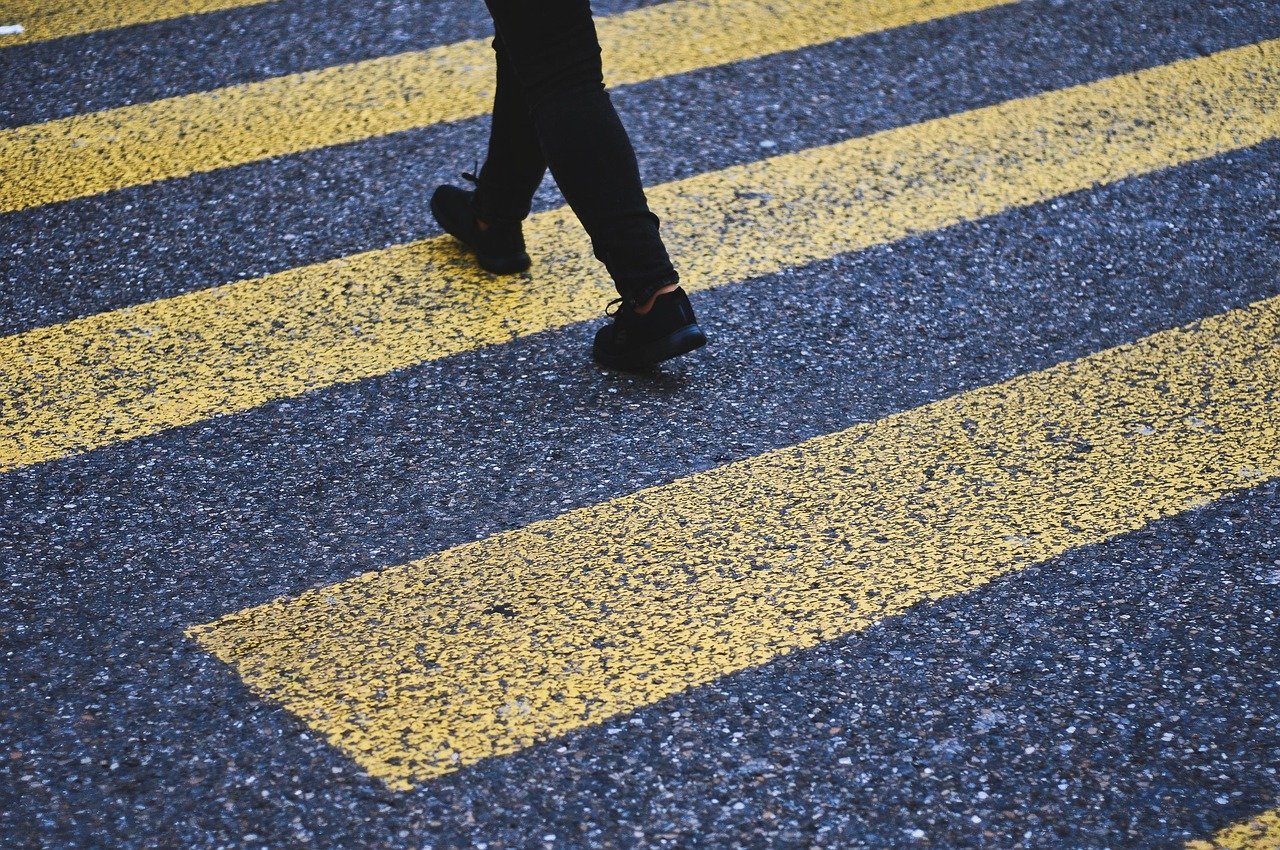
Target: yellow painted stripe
x=97, y=152
x=45, y=19
x=1261, y=833
x=136, y=371
x=492, y=646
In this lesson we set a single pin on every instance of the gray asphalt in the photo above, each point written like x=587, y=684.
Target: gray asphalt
x=1123, y=695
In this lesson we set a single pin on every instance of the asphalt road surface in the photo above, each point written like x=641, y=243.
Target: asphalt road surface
x=963, y=531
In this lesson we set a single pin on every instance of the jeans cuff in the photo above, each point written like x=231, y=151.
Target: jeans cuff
x=637, y=294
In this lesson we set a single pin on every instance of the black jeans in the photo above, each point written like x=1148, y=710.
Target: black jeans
x=552, y=109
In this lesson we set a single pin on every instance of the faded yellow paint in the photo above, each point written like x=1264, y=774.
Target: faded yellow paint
x=492, y=646
x=136, y=371
x=1260, y=833
x=97, y=152
x=46, y=19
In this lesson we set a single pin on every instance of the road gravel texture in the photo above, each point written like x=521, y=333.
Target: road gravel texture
x=1123, y=695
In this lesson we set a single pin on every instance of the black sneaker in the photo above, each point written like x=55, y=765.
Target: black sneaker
x=633, y=342
x=500, y=249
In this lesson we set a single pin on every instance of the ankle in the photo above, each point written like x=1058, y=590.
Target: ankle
x=648, y=305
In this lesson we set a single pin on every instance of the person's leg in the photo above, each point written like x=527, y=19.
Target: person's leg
x=487, y=221
x=554, y=52
x=514, y=165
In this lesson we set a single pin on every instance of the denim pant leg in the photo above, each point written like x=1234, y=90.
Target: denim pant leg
x=554, y=52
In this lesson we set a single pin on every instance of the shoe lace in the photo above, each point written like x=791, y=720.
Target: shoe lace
x=473, y=175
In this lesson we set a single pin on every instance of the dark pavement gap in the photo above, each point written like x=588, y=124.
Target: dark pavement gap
x=109, y=68
x=210, y=518
x=1038, y=705
x=126, y=247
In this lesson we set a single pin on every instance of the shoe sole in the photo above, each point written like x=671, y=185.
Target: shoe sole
x=513, y=264
x=505, y=264
x=686, y=339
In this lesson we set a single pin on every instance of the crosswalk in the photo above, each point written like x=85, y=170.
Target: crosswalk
x=131, y=145
x=227, y=349
x=488, y=648
x=572, y=621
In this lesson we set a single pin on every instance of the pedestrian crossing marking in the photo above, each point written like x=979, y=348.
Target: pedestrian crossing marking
x=42, y=20
x=132, y=372
x=1260, y=833
x=131, y=145
x=496, y=645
